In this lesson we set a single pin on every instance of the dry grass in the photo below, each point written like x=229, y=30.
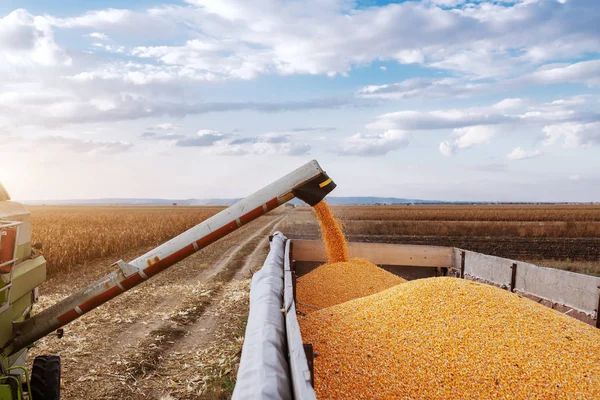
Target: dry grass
x=75, y=235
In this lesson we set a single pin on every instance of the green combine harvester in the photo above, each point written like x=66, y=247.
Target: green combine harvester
x=21, y=271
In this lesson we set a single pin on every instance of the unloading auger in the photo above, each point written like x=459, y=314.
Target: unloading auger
x=24, y=270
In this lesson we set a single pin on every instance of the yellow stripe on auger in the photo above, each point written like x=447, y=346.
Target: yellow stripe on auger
x=323, y=184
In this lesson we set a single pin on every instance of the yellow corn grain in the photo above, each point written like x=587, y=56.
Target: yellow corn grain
x=447, y=338
x=333, y=237
x=335, y=283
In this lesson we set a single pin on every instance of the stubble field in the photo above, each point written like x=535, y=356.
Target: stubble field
x=557, y=236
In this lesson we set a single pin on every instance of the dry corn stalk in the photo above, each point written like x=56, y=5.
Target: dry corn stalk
x=75, y=235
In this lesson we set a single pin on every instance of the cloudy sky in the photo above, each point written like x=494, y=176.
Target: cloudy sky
x=433, y=99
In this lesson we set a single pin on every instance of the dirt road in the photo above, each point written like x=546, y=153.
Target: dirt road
x=177, y=336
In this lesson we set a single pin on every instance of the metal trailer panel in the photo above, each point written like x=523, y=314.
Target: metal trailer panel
x=380, y=253
x=491, y=269
x=406, y=272
x=299, y=371
x=577, y=291
x=263, y=372
x=577, y=295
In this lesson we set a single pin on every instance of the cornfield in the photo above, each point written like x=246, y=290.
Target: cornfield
x=75, y=235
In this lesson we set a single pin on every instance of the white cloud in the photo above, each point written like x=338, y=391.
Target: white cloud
x=467, y=137
x=109, y=48
x=203, y=138
x=447, y=148
x=234, y=40
x=266, y=144
x=587, y=72
x=374, y=144
x=439, y=119
x=167, y=126
x=165, y=137
x=445, y=3
x=229, y=144
x=571, y=120
x=204, y=41
x=83, y=101
x=27, y=40
x=519, y=153
x=575, y=178
x=573, y=134
x=423, y=88
x=95, y=19
x=98, y=35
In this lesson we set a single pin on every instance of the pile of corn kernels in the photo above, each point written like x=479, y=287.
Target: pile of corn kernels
x=447, y=338
x=335, y=283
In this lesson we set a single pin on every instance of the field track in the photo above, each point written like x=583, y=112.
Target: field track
x=173, y=335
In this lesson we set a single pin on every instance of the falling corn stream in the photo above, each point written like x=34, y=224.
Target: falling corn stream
x=380, y=337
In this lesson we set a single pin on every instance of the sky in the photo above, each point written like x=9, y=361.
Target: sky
x=435, y=99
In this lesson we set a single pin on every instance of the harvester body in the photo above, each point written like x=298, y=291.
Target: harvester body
x=21, y=271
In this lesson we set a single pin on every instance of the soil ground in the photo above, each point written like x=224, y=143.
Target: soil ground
x=177, y=335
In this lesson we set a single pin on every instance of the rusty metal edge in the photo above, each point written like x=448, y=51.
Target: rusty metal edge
x=300, y=369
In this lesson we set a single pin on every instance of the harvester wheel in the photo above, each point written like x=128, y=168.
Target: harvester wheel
x=45, y=378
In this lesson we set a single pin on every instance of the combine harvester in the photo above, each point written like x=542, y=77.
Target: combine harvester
x=275, y=363
x=22, y=270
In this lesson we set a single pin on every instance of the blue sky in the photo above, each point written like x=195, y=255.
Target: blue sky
x=434, y=99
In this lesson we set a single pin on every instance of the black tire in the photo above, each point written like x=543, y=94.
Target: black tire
x=45, y=378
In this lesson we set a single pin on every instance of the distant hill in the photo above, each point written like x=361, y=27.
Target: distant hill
x=376, y=200
x=219, y=202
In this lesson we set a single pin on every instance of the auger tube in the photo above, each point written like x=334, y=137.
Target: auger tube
x=309, y=183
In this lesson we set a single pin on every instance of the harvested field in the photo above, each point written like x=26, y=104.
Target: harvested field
x=446, y=338
x=500, y=212
x=75, y=235
x=177, y=335
x=544, y=232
